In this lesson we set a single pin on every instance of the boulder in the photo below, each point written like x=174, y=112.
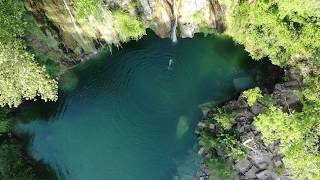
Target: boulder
x=201, y=151
x=294, y=75
x=243, y=165
x=266, y=175
x=251, y=173
x=201, y=125
x=212, y=127
x=257, y=108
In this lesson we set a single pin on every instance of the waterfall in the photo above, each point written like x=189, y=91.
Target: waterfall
x=174, y=27
x=74, y=22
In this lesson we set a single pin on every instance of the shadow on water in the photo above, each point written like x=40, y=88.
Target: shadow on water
x=132, y=114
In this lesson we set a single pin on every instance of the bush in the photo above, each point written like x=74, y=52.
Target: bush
x=21, y=77
x=252, y=95
x=281, y=30
x=128, y=27
x=299, y=136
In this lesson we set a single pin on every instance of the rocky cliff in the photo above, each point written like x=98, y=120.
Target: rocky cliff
x=59, y=32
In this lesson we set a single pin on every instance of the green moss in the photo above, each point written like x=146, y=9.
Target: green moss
x=128, y=27
x=85, y=8
x=198, y=18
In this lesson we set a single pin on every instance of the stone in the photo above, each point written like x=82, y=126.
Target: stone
x=201, y=151
x=212, y=127
x=243, y=165
x=207, y=107
x=262, y=159
x=266, y=175
x=257, y=108
x=244, y=115
x=292, y=84
x=294, y=75
x=201, y=125
x=251, y=173
x=278, y=163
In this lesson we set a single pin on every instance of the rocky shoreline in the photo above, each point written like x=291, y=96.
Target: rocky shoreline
x=261, y=161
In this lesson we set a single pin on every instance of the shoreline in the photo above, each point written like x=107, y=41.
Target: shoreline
x=261, y=161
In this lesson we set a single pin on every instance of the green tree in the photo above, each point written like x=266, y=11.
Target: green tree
x=299, y=136
x=20, y=76
x=252, y=95
x=283, y=30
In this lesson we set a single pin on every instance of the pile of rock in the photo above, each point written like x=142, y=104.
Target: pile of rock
x=262, y=161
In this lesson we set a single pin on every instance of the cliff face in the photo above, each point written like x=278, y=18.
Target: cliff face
x=64, y=35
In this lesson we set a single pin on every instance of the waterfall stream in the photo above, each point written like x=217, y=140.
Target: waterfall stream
x=174, y=27
x=75, y=25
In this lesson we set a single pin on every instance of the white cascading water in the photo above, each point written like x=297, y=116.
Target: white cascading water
x=73, y=21
x=174, y=27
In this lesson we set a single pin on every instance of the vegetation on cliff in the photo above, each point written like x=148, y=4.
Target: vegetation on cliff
x=21, y=77
x=288, y=32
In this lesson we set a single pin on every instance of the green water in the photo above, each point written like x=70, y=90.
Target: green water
x=132, y=115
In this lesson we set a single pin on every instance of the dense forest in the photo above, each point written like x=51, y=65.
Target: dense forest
x=285, y=31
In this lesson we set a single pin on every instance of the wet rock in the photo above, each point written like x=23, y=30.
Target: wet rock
x=201, y=125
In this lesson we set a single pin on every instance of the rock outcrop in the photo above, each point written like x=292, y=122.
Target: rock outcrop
x=73, y=37
x=262, y=161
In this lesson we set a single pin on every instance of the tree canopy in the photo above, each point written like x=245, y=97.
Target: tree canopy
x=282, y=30
x=20, y=76
x=288, y=32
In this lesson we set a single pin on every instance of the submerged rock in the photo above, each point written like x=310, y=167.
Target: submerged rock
x=182, y=126
x=69, y=81
x=241, y=83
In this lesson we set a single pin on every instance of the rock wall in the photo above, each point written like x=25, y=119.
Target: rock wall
x=75, y=37
x=262, y=161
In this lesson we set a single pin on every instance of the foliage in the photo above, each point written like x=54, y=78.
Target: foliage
x=4, y=122
x=85, y=8
x=44, y=47
x=128, y=27
x=252, y=95
x=299, y=136
x=226, y=145
x=12, y=164
x=198, y=17
x=224, y=117
x=220, y=169
x=282, y=30
x=288, y=32
x=20, y=76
